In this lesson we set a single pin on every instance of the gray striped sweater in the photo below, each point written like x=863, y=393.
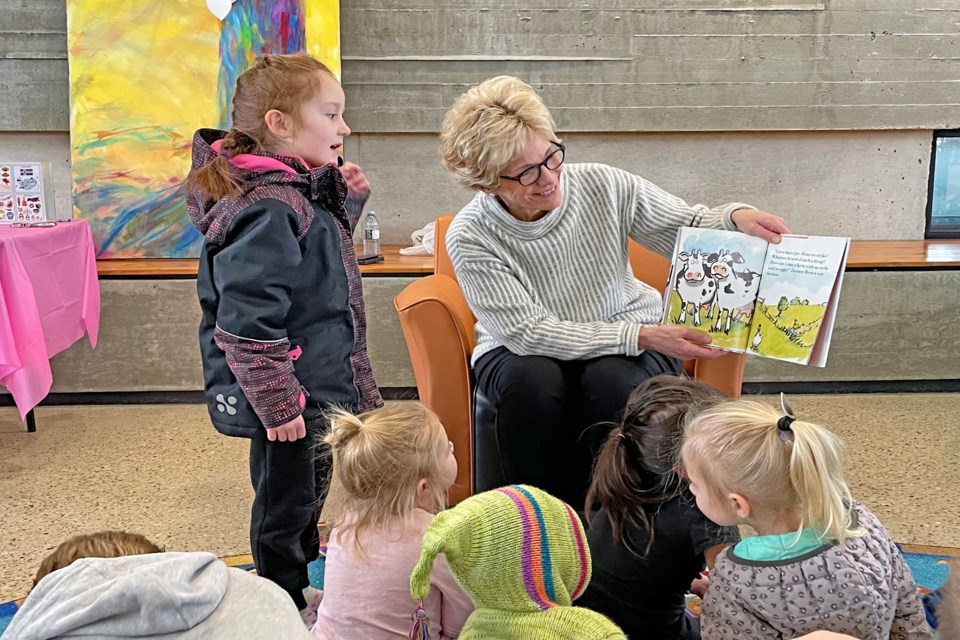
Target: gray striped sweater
x=562, y=286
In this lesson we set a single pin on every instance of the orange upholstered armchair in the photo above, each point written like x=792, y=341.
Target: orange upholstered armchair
x=438, y=328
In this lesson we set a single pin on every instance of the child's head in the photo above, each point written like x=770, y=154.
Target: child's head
x=103, y=544
x=749, y=463
x=390, y=461
x=638, y=463
x=290, y=105
x=284, y=104
x=522, y=557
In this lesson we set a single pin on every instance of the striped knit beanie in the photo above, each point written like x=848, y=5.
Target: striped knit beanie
x=522, y=557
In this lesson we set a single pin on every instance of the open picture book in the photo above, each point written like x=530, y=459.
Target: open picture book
x=773, y=300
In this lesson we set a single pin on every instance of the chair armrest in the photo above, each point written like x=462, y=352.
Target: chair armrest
x=438, y=328
x=726, y=373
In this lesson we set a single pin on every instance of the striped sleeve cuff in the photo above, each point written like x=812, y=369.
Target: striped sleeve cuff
x=632, y=339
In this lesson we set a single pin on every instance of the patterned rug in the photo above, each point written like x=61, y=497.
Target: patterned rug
x=925, y=562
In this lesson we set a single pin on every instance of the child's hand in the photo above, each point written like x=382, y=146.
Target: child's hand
x=356, y=181
x=288, y=432
x=699, y=586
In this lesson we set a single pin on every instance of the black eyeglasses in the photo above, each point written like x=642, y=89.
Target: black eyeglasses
x=531, y=174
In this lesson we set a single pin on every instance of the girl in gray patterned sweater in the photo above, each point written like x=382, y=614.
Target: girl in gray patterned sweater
x=820, y=561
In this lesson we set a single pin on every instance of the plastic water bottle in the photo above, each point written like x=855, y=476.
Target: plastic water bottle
x=371, y=235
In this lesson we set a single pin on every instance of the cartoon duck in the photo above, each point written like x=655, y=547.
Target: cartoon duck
x=757, y=337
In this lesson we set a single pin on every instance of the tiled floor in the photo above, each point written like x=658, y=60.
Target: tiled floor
x=163, y=471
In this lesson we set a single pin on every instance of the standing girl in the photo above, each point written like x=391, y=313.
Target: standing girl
x=283, y=332
x=820, y=561
x=648, y=539
x=396, y=465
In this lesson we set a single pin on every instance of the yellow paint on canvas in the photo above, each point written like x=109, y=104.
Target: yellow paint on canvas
x=118, y=91
x=143, y=78
x=323, y=32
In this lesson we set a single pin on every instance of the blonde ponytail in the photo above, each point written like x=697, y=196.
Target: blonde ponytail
x=737, y=447
x=816, y=472
x=380, y=457
x=344, y=427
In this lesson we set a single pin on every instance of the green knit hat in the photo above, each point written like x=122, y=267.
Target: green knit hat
x=522, y=557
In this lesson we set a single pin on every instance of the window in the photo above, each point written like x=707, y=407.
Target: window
x=943, y=193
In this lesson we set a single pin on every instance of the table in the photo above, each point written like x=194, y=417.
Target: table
x=49, y=298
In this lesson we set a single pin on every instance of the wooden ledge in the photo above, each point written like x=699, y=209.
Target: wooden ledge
x=864, y=254
x=904, y=254
x=393, y=264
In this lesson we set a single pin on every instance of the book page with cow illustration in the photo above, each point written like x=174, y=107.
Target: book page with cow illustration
x=776, y=301
x=797, y=300
x=715, y=276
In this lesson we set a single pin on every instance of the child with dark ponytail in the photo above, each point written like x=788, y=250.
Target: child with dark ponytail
x=648, y=539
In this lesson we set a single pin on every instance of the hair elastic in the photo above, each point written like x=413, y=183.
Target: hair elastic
x=783, y=424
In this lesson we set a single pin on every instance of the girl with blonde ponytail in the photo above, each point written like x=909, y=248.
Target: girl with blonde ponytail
x=821, y=559
x=396, y=465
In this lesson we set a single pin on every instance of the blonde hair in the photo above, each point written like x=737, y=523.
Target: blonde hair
x=274, y=82
x=487, y=127
x=103, y=544
x=737, y=447
x=380, y=457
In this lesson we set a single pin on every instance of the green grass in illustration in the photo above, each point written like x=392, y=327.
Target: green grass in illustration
x=776, y=342
x=736, y=339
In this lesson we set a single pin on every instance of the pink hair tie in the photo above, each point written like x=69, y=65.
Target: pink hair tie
x=216, y=147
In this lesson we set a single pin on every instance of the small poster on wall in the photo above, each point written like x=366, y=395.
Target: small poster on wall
x=22, y=196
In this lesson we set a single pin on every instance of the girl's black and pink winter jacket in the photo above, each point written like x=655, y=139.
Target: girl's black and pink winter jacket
x=283, y=330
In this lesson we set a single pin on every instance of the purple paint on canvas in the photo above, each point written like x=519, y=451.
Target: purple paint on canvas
x=253, y=28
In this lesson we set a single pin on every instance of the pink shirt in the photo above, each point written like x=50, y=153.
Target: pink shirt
x=371, y=598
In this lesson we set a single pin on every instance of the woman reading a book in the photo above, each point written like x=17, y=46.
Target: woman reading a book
x=564, y=330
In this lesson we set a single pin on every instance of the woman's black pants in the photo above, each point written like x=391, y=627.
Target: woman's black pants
x=552, y=416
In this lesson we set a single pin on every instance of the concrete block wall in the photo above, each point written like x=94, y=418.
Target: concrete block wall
x=863, y=184
x=890, y=326
x=821, y=111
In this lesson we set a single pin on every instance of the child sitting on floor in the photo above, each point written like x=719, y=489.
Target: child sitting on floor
x=114, y=584
x=522, y=556
x=648, y=539
x=820, y=561
x=396, y=465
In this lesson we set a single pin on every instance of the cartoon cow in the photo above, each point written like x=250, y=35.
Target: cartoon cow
x=735, y=289
x=694, y=285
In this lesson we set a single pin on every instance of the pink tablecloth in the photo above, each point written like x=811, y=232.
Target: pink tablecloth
x=49, y=297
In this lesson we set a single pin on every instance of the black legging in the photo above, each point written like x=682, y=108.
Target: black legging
x=553, y=415
x=289, y=481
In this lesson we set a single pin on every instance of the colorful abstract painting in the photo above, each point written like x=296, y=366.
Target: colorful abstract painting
x=143, y=77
